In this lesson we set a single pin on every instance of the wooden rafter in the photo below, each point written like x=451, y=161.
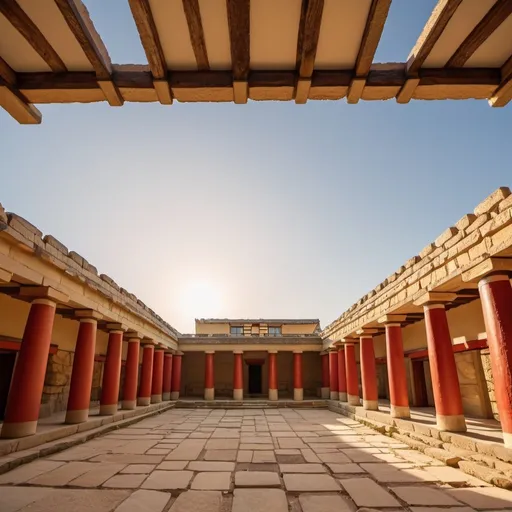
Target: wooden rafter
x=17, y=105
x=503, y=94
x=239, y=35
x=307, y=43
x=435, y=26
x=195, y=28
x=99, y=62
x=141, y=11
x=499, y=12
x=7, y=73
x=377, y=16
x=27, y=28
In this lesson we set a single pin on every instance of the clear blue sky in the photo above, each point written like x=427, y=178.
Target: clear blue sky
x=262, y=210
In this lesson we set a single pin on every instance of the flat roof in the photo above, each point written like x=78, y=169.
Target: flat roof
x=255, y=321
x=238, y=50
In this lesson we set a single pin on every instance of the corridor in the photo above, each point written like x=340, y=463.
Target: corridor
x=248, y=459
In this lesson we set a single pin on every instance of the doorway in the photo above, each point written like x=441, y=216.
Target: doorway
x=255, y=387
x=419, y=383
x=7, y=360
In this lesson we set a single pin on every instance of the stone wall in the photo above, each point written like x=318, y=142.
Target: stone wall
x=489, y=382
x=56, y=383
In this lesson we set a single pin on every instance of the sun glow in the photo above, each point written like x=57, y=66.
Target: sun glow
x=201, y=300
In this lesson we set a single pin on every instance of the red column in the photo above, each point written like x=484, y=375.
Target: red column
x=496, y=296
x=111, y=374
x=443, y=370
x=369, y=374
x=351, y=371
x=209, y=378
x=273, y=393
x=326, y=390
x=342, y=375
x=146, y=375
x=298, y=392
x=176, y=376
x=27, y=383
x=333, y=374
x=397, y=378
x=238, y=376
x=166, y=386
x=81, y=376
x=158, y=376
x=131, y=374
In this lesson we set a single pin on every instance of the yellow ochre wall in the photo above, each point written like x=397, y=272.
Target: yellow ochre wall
x=224, y=328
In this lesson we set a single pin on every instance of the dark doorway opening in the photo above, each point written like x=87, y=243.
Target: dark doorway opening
x=255, y=379
x=7, y=360
x=419, y=383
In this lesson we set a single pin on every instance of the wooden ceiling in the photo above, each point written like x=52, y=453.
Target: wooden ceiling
x=240, y=50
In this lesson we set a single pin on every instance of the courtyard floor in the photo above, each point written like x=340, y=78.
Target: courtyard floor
x=257, y=460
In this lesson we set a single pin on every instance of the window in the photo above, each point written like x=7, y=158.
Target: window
x=274, y=331
x=236, y=330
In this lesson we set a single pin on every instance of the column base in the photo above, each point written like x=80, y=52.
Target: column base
x=14, y=430
x=273, y=394
x=507, y=439
x=451, y=423
x=342, y=396
x=326, y=393
x=129, y=405
x=353, y=400
x=108, y=409
x=156, y=399
x=400, y=411
x=209, y=393
x=298, y=394
x=175, y=395
x=371, y=405
x=166, y=396
x=238, y=394
x=334, y=395
x=143, y=400
x=73, y=417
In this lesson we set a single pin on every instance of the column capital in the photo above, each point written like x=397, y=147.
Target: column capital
x=493, y=278
x=179, y=353
x=297, y=351
x=272, y=351
x=209, y=351
x=87, y=314
x=392, y=319
x=43, y=292
x=117, y=326
x=167, y=353
x=488, y=267
x=429, y=298
x=134, y=336
x=367, y=333
x=237, y=351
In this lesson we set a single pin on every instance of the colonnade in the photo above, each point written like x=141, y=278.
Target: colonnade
x=160, y=377
x=238, y=379
x=340, y=370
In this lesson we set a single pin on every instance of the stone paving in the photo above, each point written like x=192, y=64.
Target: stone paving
x=257, y=460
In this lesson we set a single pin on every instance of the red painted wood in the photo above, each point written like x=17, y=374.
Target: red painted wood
x=158, y=372
x=333, y=371
x=272, y=371
x=396, y=366
x=132, y=371
x=351, y=370
x=297, y=371
x=208, y=371
x=368, y=370
x=112, y=369
x=238, y=379
x=146, y=374
x=166, y=385
x=342, y=374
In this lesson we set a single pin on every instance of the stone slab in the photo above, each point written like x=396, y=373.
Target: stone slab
x=259, y=500
x=302, y=468
x=28, y=471
x=256, y=479
x=125, y=481
x=13, y=499
x=173, y=465
x=263, y=456
x=168, y=480
x=336, y=457
x=139, y=468
x=350, y=468
x=63, y=475
x=97, y=475
x=145, y=501
x=309, y=482
x=211, y=466
x=324, y=503
x=485, y=498
x=222, y=444
x=422, y=495
x=366, y=493
x=221, y=455
x=212, y=481
x=198, y=501
x=189, y=449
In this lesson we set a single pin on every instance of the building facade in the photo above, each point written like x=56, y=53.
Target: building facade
x=437, y=333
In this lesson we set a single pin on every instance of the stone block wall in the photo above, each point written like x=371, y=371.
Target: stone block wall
x=489, y=382
x=56, y=383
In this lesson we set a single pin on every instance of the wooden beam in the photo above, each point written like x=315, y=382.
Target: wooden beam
x=503, y=94
x=499, y=12
x=141, y=11
x=307, y=43
x=99, y=62
x=239, y=35
x=17, y=105
x=377, y=16
x=195, y=29
x=27, y=28
x=439, y=19
x=7, y=73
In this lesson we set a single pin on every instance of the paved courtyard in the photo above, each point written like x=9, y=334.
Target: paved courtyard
x=272, y=460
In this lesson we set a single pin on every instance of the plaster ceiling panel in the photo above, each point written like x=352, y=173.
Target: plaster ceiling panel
x=49, y=20
x=274, y=33
x=15, y=50
x=494, y=52
x=465, y=19
x=214, y=17
x=172, y=27
x=341, y=32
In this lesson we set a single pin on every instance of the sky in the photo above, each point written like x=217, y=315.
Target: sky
x=264, y=210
